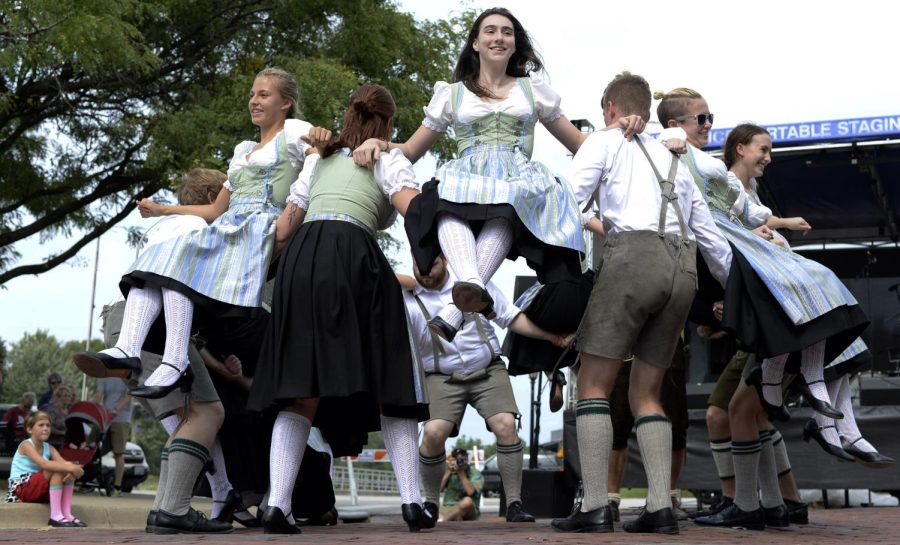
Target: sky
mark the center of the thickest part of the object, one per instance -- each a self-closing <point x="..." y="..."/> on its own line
<point x="765" y="61"/>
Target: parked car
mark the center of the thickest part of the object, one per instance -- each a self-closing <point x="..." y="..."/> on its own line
<point x="136" y="468"/>
<point x="547" y="461"/>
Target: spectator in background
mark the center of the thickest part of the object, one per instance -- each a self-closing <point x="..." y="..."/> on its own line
<point x="54" y="379"/>
<point x="58" y="408"/>
<point x="462" y="486"/>
<point x="113" y="394"/>
<point x="15" y="419"/>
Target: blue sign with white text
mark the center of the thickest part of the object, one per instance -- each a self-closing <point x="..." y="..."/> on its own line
<point x="817" y="131"/>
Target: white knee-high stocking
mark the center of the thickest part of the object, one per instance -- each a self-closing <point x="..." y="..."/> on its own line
<point x="179" y="315"/>
<point x="772" y="375"/>
<point x="289" y="437"/>
<point x="401" y="438"/>
<point x="812" y="359"/>
<point x="839" y="390"/>
<point x="492" y="247"/>
<point x="141" y="309"/>
<point x="458" y="245"/>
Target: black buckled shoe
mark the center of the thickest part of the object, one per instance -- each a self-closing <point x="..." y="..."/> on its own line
<point x="192" y="522"/>
<point x="183" y="382"/>
<point x="777" y="517"/>
<point x="432" y="510"/>
<point x="557" y="381"/>
<point x="734" y="517"/>
<point x="875" y="459"/>
<point x="812" y="430"/>
<point x="516" y="513"/>
<point x="151" y="522"/>
<point x="776" y="413"/>
<point x="416" y="517"/>
<point x="598" y="520"/>
<point x="797" y="511"/>
<point x="274" y="521"/>
<point x="328" y="518"/>
<point x="232" y="502"/>
<point x="470" y="297"/>
<point x="820" y="406"/>
<point x="61" y="523"/>
<point x="442" y="329"/>
<point x="657" y="522"/>
<point x="100" y="365"/>
<point x="721" y="503"/>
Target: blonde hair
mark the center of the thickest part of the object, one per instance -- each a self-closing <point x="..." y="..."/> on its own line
<point x="60" y="390"/>
<point x="36" y="417"/>
<point x="200" y="186"/>
<point x="287" y="87"/>
<point x="674" y="103"/>
<point x="630" y="93"/>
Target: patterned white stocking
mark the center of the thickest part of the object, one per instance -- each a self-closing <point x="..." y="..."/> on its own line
<point x="141" y="309"/>
<point x="179" y="315"/>
<point x="401" y="437"/>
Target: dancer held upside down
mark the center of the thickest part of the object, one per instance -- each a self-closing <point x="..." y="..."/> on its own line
<point x="219" y="270"/>
<point x="338" y="353"/>
<point x="493" y="201"/>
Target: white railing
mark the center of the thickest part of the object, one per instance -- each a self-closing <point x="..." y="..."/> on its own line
<point x="368" y="481"/>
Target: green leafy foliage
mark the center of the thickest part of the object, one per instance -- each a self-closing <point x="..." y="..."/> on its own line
<point x="104" y="101"/>
<point x="37" y="355"/>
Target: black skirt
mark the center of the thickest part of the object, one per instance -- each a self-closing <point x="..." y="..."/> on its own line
<point x="551" y="263"/>
<point x="756" y="318"/>
<point x="557" y="308"/>
<point x="338" y="333"/>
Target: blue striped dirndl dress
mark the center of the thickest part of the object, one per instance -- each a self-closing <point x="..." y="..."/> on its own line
<point x="228" y="261"/>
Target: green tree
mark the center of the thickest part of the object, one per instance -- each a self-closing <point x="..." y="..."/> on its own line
<point x="105" y="101"/>
<point x="470" y="443"/>
<point x="37" y="355"/>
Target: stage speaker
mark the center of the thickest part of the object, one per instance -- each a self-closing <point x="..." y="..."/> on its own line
<point x="545" y="494"/>
<point x="879" y="390"/>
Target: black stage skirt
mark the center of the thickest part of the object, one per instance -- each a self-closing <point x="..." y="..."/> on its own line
<point x="557" y="308"/>
<point x="551" y="263"/>
<point x="338" y="333"/>
<point x="756" y="318"/>
<point x="209" y="314"/>
<point x="857" y="363"/>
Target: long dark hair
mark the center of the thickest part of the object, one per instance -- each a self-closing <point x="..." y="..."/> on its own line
<point x="370" y="115"/>
<point x="523" y="61"/>
<point x="742" y="134"/>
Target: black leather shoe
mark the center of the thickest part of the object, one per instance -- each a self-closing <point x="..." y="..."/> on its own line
<point x="812" y="430"/>
<point x="875" y="460"/>
<point x="183" y="383"/>
<point x="233" y="502"/>
<point x="798" y="511"/>
<point x="99" y="365"/>
<point x="328" y="518"/>
<point x="820" y="406"/>
<point x="557" y="381"/>
<point x="416" y="517"/>
<point x="598" y="520"/>
<point x="247" y="520"/>
<point x="432" y="510"/>
<point x="777" y="517"/>
<point x="275" y="522"/>
<point x="516" y="513"/>
<point x="192" y="522"/>
<point x="721" y="503"/>
<point x="614" y="509"/>
<point x="442" y="329"/>
<point x="734" y="517"/>
<point x="657" y="522"/>
<point x="151" y="522"/>
<point x="470" y="297"/>
<point x="61" y="523"/>
<point x="776" y="413"/>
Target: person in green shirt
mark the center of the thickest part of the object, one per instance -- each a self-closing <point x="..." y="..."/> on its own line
<point x="462" y="486"/>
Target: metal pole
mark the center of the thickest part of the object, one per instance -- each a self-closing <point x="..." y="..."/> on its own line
<point x="87" y="341"/>
<point x="354" y="495"/>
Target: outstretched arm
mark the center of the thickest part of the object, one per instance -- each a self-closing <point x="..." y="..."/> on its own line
<point x="413" y="149"/>
<point x="208" y="212"/>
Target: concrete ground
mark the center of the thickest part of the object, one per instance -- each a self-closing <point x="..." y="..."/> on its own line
<point x="121" y="520"/>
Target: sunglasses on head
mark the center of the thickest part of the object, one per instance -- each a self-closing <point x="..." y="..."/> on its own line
<point x="701" y="118"/>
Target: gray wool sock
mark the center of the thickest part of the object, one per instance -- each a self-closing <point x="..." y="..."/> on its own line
<point x="746" y="465"/>
<point x="595" y="436"/>
<point x="782" y="462"/>
<point x="163" y="474"/>
<point x="768" y="474"/>
<point x="721" y="453"/>
<point x="654" y="434"/>
<point x="509" y="461"/>
<point x="431" y="471"/>
<point x="186" y="459"/>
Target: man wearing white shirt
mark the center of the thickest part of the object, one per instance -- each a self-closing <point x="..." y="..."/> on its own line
<point x="642" y="294"/>
<point x="468" y="371"/>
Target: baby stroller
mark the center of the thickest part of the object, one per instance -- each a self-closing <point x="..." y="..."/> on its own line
<point x="86" y="425"/>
